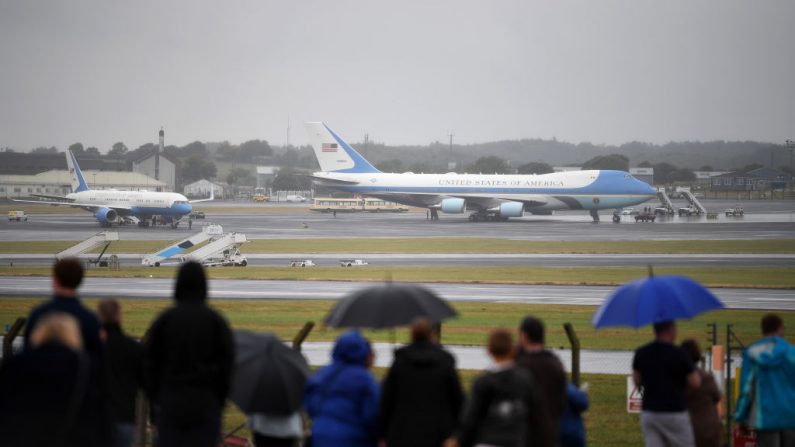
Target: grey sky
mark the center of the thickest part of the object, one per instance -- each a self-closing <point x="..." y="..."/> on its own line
<point x="406" y="72"/>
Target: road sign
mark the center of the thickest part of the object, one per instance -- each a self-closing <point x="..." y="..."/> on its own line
<point x="634" y="396"/>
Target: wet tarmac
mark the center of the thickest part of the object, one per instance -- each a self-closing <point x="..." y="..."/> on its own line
<point x="763" y="220"/>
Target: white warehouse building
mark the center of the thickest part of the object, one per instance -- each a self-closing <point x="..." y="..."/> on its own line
<point x="201" y="189"/>
<point x="58" y="183"/>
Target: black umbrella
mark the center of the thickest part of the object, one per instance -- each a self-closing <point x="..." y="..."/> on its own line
<point x="388" y="306"/>
<point x="269" y="377"/>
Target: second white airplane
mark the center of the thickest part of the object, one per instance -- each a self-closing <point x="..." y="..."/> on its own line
<point x="490" y="197"/>
<point x="117" y="206"/>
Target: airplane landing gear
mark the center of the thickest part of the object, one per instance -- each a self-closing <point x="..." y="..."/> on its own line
<point x="595" y="215"/>
<point x="481" y="216"/>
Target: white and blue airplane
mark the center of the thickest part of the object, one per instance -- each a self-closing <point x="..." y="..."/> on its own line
<point x="490" y="197"/>
<point x="113" y="206"/>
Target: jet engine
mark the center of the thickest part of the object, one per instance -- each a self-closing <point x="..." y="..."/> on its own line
<point x="510" y="209"/>
<point x="453" y="206"/>
<point x="106" y="216"/>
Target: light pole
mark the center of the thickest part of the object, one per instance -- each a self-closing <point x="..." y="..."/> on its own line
<point x="451" y="149"/>
<point x="791" y="146"/>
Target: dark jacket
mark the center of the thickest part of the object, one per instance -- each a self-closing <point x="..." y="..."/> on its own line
<point x="37" y="389"/>
<point x="702" y="406"/>
<point x="124" y="369"/>
<point x="572" y="430"/>
<point x="498" y="409"/>
<point x="550" y="376"/>
<point x="188" y="357"/>
<point x="422" y="397"/>
<point x="89" y="325"/>
<point x="342" y="398"/>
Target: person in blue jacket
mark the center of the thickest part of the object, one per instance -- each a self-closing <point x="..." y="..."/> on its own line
<point x="767" y="387"/>
<point x="342" y="398"/>
<point x="572" y="430"/>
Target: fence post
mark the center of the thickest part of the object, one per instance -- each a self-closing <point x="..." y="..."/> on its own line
<point x="8" y="340"/>
<point x="299" y="338"/>
<point x="575" y="353"/>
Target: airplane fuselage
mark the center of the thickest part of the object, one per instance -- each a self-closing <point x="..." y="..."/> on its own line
<point x="585" y="190"/>
<point x="138" y="203"/>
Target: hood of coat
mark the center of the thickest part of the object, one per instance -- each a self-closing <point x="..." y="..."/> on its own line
<point x="191" y="284"/>
<point x="351" y="348"/>
<point x="769" y="351"/>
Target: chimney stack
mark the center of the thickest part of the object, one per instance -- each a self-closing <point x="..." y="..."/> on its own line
<point x="157" y="156"/>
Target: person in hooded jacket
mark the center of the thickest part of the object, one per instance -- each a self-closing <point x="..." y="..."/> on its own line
<point x="342" y="398"/>
<point x="767" y="387"/>
<point x="188" y="358"/>
<point x="422" y="397"/>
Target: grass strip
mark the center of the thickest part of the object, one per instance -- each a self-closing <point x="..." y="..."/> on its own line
<point x="746" y="277"/>
<point x="443" y="245"/>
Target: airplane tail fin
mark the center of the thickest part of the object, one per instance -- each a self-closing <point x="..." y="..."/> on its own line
<point x="333" y="153"/>
<point x="78" y="182"/>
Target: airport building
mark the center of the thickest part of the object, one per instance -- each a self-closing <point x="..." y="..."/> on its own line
<point x="759" y="179"/>
<point x="146" y="165"/>
<point x="643" y="174"/>
<point x="265" y="176"/>
<point x="201" y="189"/>
<point x="58" y="183"/>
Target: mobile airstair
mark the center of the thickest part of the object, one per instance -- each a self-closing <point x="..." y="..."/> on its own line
<point x="694" y="202"/>
<point x="105" y="237"/>
<point x="208" y="232"/>
<point x="224" y="250"/>
<point x="665" y="201"/>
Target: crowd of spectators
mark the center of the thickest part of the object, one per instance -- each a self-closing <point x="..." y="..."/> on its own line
<point x="80" y="379"/>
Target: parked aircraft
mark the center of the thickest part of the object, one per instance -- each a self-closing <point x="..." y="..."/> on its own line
<point x="118" y="206"/>
<point x="489" y="197"/>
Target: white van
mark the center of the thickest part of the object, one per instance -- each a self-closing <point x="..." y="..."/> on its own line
<point x="295" y="198"/>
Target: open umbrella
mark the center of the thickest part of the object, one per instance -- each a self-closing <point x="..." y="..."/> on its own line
<point x="653" y="300"/>
<point x="388" y="306"/>
<point x="269" y="377"/>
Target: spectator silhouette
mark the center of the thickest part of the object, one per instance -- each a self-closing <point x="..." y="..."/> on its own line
<point x="572" y="429"/>
<point x="497" y="413"/>
<point x="664" y="370"/>
<point x="188" y="358"/>
<point x="767" y="387"/>
<point x="422" y="396"/>
<point x="67" y="274"/>
<point x="124" y="372"/>
<point x="44" y="389"/>
<point x="702" y="402"/>
<point x="342" y="398"/>
<point x="550" y="377"/>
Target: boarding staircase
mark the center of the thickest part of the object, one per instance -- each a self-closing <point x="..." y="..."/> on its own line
<point x="665" y="201"/>
<point x="105" y="237"/>
<point x="224" y="250"/>
<point x="694" y="202"/>
<point x="208" y="232"/>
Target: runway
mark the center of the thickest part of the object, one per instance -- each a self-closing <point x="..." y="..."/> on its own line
<point x="772" y="299"/>
<point x="475" y="260"/>
<point x="770" y="220"/>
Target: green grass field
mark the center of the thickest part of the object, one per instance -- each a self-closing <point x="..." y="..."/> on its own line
<point x="441" y="245"/>
<point x="607" y="421"/>
<point x="751" y="277"/>
<point x="475" y="320"/>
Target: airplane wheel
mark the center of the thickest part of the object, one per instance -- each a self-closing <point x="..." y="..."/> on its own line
<point x="616" y="219"/>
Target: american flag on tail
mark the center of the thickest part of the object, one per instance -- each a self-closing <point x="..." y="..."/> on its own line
<point x="329" y="147"/>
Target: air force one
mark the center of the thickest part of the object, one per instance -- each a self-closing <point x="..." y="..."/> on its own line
<point x="490" y="197"/>
<point x="116" y="206"/>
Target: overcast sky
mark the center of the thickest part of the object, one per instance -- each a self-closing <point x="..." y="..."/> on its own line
<point x="405" y="72"/>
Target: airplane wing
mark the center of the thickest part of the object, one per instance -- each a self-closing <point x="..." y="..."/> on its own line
<point x="212" y="196"/>
<point x="61" y="198"/>
<point x="123" y="209"/>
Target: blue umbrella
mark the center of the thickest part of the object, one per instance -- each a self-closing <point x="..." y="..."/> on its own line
<point x="653" y="300"/>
